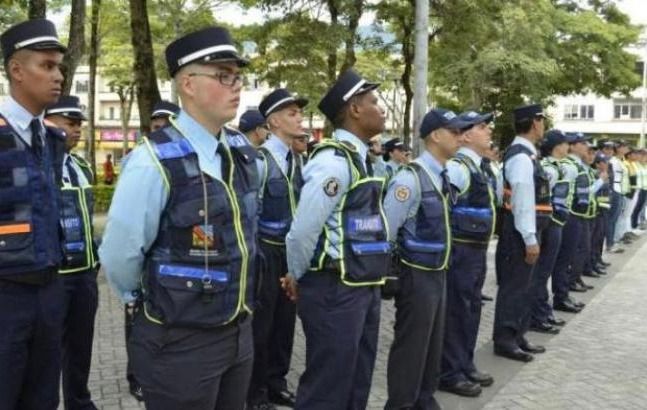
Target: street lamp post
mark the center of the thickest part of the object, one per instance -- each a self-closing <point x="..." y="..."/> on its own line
<point x="643" y="114"/>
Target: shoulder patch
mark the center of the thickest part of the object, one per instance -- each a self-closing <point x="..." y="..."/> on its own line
<point x="402" y="193"/>
<point x="331" y="186"/>
<point x="2" y="122"/>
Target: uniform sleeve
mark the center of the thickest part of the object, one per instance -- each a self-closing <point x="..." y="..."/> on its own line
<point x="458" y="175"/>
<point x="133" y="222"/>
<point x="401" y="201"/>
<point x="570" y="171"/>
<point x="519" y="172"/>
<point x="595" y="187"/>
<point x="552" y="175"/>
<point x="326" y="179"/>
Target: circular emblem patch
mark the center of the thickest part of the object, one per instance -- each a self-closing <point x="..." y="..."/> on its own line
<point x="331" y="186"/>
<point x="402" y="193"/>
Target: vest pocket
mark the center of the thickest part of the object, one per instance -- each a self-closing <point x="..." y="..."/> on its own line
<point x="370" y="261"/>
<point x="16" y="244"/>
<point x="191" y="296"/>
<point x="472" y="220"/>
<point x="429" y="254"/>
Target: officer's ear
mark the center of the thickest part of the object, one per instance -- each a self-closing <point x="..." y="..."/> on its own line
<point x="183" y="81"/>
<point x="355" y="106"/>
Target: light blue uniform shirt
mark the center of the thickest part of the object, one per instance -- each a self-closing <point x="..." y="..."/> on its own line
<point x="571" y="170"/>
<point x="317" y="208"/>
<point x="19" y="118"/>
<point x="519" y="172"/>
<point x="67" y="159"/>
<point x="279" y="151"/>
<point x="402" y="198"/>
<point x="458" y="174"/>
<point x="379" y="166"/>
<point x="137" y="206"/>
<point x="551" y="173"/>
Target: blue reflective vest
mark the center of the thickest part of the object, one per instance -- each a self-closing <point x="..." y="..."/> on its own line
<point x="77" y="209"/>
<point x="30" y="231"/>
<point x="361" y="225"/>
<point x="561" y="194"/>
<point x="473" y="215"/>
<point x="280" y="198"/>
<point x="424" y="242"/>
<point x="582" y="205"/>
<point x="199" y="270"/>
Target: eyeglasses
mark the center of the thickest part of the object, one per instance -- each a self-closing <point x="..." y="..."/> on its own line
<point x="226" y="79"/>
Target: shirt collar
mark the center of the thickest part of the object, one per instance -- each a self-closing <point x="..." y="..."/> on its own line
<point x="277" y="146"/>
<point x="525" y="142"/>
<point x="343" y="135"/>
<point x="201" y="139"/>
<point x="431" y="163"/>
<point x="576" y="159"/>
<point x="18" y="115"/>
<point x="471" y="154"/>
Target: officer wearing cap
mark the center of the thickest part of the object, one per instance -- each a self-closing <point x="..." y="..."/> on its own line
<point x="601" y="165"/>
<point x="416" y="206"/>
<point x="619" y="185"/>
<point x="162" y="112"/>
<point x="189" y="251"/>
<point x="252" y="124"/>
<point x="472" y="225"/>
<point x="338" y="252"/>
<point x="592" y="268"/>
<point x="281" y="181"/>
<point x="395" y="155"/>
<point x="525" y="214"/>
<point x="31" y="296"/>
<point x="79" y="268"/>
<point x="553" y="149"/>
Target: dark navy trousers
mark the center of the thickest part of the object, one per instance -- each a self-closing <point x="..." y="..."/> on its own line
<point x="550" y="245"/>
<point x="31" y="321"/>
<point x="582" y="255"/>
<point x="80" y="302"/>
<point x="465" y="279"/>
<point x="273" y="325"/>
<point x="341" y="325"/>
<point x="564" y="263"/>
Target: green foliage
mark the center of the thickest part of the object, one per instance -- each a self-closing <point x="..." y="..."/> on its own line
<point x="102" y="197"/>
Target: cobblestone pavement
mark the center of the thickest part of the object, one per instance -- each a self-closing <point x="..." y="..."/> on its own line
<point x="597" y="374"/>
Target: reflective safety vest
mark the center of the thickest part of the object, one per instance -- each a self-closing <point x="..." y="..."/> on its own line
<point x="30" y="246"/>
<point x="625" y="184"/>
<point x="280" y="198"/>
<point x="364" y="250"/>
<point x="424" y="242"/>
<point x="593" y="209"/>
<point x="543" y="207"/>
<point x="602" y="198"/>
<point x="561" y="194"/>
<point x="77" y="207"/>
<point x="633" y="176"/>
<point x="583" y="198"/>
<point x="473" y="215"/>
<point x="199" y="270"/>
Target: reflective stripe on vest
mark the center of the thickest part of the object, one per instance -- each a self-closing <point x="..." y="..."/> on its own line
<point x="199" y="270"/>
<point x="364" y="250"/>
<point x="543" y="207"/>
<point x="424" y="241"/>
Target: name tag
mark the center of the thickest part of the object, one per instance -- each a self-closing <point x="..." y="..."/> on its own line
<point x="368" y="224"/>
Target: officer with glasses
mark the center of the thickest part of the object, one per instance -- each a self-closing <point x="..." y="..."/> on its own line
<point x="181" y="235"/>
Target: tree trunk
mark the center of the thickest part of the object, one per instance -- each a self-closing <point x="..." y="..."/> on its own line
<point x="420" y="62"/>
<point x="353" y="23"/>
<point x="332" y="55"/>
<point x="94" y="51"/>
<point x="75" y="45"/>
<point x="147" y="91"/>
<point x="37" y="9"/>
<point x="407" y="57"/>
<point x="126" y="94"/>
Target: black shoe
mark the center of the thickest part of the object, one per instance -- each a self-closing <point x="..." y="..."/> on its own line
<point x="576" y="287"/>
<point x="576" y="303"/>
<point x="604" y="264"/>
<point x="282" y="397"/>
<point x="264" y="405"/>
<point x="484" y="379"/>
<point x="566" y="306"/>
<point x="544" y="327"/>
<point x="584" y="285"/>
<point x="486" y="298"/>
<point x="599" y="269"/>
<point x="136" y="391"/>
<point x="514" y="354"/>
<point x="463" y="388"/>
<point x="526" y="346"/>
<point x="555" y="321"/>
<point x="591" y="274"/>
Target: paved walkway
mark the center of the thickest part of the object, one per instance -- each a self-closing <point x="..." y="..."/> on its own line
<point x="598" y="361"/>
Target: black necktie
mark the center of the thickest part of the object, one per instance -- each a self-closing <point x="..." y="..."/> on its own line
<point x="448" y="190"/>
<point x="36" y="137"/>
<point x="225" y="165"/>
<point x="369" y="166"/>
<point x="71" y="172"/>
<point x="289" y="158"/>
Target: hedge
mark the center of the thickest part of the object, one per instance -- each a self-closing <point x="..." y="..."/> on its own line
<point x="102" y="197"/>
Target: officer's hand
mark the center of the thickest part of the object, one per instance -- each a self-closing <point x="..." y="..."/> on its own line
<point x="604" y="176"/>
<point x="532" y="253"/>
<point x="290" y="286"/>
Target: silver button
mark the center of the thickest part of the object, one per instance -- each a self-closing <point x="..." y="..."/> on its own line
<point x="3" y="243"/>
<point x="189" y="284"/>
<point x="201" y="212"/>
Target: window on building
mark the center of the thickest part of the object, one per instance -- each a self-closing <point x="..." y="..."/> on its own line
<point x="639" y="68"/>
<point x="81" y="86"/>
<point x="627" y="110"/>
<point x="579" y="112"/>
<point x="111" y="113"/>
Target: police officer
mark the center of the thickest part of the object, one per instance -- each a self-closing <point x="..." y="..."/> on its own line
<point x="193" y="235"/>
<point x="375" y="154"/>
<point x="472" y="225"/>
<point x="252" y="124"/>
<point x="31" y="298"/>
<point x="281" y="182"/>
<point x="526" y="213"/>
<point x="553" y="149"/>
<point x="338" y="280"/>
<point x="395" y="155"/>
<point x="79" y="268"/>
<point x="600" y="163"/>
<point x="417" y="207"/>
<point x="162" y="112"/>
<point x="619" y="186"/>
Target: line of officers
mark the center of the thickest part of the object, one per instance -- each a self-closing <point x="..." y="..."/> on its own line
<point x="216" y="245"/>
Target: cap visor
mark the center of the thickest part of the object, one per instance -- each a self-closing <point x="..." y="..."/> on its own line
<point x="47" y="45"/>
<point x="366" y="88"/>
<point x="224" y="57"/>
